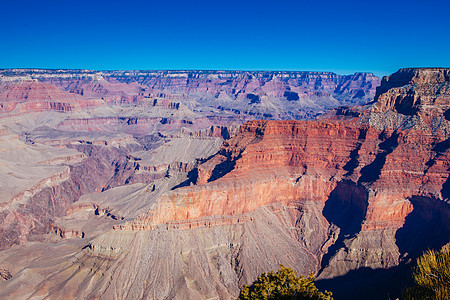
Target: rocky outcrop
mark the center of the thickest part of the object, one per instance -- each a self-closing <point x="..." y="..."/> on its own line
<point x="231" y="95"/>
<point x="260" y="95"/>
<point x="68" y="233"/>
<point x="412" y="98"/>
<point x="305" y="160"/>
<point x="268" y="157"/>
<point x="19" y="97"/>
<point x="155" y="121"/>
<point x="413" y="76"/>
<point x="4" y="274"/>
<point x="355" y="196"/>
<point x="225" y="132"/>
<point x="371" y="183"/>
<point x="32" y="212"/>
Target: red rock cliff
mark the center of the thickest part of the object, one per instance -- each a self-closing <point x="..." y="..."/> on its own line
<point x="367" y="179"/>
<point x="17" y="97"/>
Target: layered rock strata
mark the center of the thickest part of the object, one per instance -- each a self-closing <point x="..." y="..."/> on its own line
<point x="226" y="95"/>
<point x="372" y="178"/>
<point x="351" y="197"/>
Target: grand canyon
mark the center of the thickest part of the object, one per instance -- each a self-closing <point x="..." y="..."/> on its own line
<point x="189" y="184"/>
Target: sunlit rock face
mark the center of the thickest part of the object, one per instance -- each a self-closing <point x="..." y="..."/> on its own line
<point x="102" y="119"/>
<point x="373" y="182"/>
<point x="186" y="204"/>
<point x="218" y="95"/>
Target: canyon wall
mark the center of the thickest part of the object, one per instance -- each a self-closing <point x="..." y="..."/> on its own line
<point x="374" y="178"/>
<point x="238" y="95"/>
<point x="108" y="115"/>
<point x="196" y="211"/>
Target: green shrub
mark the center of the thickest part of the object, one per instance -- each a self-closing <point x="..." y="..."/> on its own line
<point x="431" y="277"/>
<point x="283" y="284"/>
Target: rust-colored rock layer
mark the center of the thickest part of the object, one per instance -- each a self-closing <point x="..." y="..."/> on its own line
<point x="374" y="177"/>
<point x="352" y="197"/>
<point x="286" y="161"/>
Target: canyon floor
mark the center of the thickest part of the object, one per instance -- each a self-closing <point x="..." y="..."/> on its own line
<point x="189" y="184"/>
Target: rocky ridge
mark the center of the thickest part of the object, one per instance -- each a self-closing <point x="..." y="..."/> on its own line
<point x="238" y="95"/>
<point x="381" y="177"/>
<point x="104" y="117"/>
<point x="351" y="197"/>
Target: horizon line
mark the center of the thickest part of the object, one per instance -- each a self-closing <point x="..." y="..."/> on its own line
<point x="193" y="69"/>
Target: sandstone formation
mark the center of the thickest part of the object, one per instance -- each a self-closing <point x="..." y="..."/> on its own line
<point x="372" y="178"/>
<point x="226" y="95"/>
<point x="25" y="96"/>
<point x="181" y="205"/>
<point x="110" y="120"/>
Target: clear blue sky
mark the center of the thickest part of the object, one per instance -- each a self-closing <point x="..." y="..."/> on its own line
<point x="341" y="36"/>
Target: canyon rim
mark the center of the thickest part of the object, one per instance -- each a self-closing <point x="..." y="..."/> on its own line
<point x="189" y="184"/>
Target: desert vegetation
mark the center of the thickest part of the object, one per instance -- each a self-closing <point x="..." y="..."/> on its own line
<point x="283" y="284"/>
<point x="431" y="276"/>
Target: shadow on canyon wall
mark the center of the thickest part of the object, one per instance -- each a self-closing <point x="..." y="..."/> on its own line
<point x="371" y="172"/>
<point x="426" y="227"/>
<point x="346" y="207"/>
<point x="366" y="283"/>
<point x="224" y="167"/>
